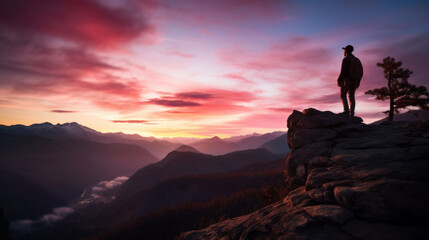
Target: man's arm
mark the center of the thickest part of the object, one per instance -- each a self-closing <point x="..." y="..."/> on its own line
<point x="344" y="71"/>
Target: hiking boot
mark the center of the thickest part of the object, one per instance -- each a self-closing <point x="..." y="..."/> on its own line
<point x="344" y="113"/>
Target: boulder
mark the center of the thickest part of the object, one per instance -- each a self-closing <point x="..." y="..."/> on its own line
<point x="302" y="156"/>
<point x="320" y="162"/>
<point x="302" y="137"/>
<point x="330" y="213"/>
<point x="316" y="194"/>
<point x="386" y="200"/>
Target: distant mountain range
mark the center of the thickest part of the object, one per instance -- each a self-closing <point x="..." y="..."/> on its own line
<point x="217" y="146"/>
<point x="257" y="141"/>
<point x="157" y="147"/>
<point x="53" y="164"/>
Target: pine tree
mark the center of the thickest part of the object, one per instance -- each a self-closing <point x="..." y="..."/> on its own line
<point x="399" y="91"/>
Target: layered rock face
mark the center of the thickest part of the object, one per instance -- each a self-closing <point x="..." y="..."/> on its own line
<point x="353" y="181"/>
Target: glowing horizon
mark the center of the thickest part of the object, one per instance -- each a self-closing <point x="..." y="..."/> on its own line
<point x="196" y="69"/>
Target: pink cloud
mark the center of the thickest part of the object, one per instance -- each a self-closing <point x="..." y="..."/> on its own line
<point x="306" y="58"/>
<point x="262" y="120"/>
<point x="120" y="105"/>
<point x="237" y="76"/>
<point x="324" y="99"/>
<point x="54" y="49"/>
<point x="85" y="22"/>
<point x="205" y="31"/>
<point x="112" y="86"/>
<point x="180" y="54"/>
<point x="205" y="13"/>
<point x="205" y="103"/>
<point x="33" y="68"/>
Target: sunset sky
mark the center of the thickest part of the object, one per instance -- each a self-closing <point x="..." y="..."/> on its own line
<point x="197" y="68"/>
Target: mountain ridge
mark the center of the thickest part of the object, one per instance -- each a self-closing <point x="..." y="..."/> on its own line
<point x="188" y="163"/>
<point x="215" y="146"/>
<point x="159" y="148"/>
<point x="186" y="148"/>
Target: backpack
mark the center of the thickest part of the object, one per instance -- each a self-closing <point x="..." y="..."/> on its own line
<point x="355" y="70"/>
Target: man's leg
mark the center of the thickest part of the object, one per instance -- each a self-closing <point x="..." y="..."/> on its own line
<point x="344" y="98"/>
<point x="352" y="91"/>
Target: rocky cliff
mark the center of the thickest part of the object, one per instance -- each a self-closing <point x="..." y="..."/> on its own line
<point x="349" y="181"/>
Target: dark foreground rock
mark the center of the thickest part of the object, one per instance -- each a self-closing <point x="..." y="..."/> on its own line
<point x="352" y="181"/>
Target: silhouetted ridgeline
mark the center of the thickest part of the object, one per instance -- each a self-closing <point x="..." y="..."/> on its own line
<point x="190" y="189"/>
<point x="350" y="180"/>
<point x="52" y="172"/>
<point x="177" y="164"/>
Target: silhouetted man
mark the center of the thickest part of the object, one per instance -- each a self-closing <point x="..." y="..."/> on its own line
<point x="349" y="79"/>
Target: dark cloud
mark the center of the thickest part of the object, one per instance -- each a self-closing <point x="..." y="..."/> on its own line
<point x="173" y="103"/>
<point x="194" y="95"/>
<point x="62" y="111"/>
<point x="285" y="109"/>
<point x="133" y="121"/>
<point x="181" y="112"/>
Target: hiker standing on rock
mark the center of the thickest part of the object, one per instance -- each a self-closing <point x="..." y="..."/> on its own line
<point x="349" y="79"/>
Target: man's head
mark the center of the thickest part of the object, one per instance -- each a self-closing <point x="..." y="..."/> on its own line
<point x="348" y="50"/>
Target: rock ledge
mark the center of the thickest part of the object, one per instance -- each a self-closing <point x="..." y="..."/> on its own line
<point x="353" y="181"/>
